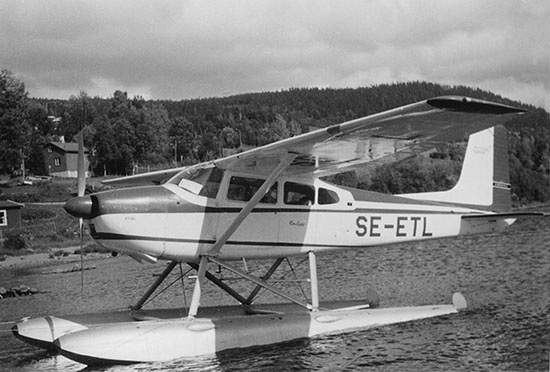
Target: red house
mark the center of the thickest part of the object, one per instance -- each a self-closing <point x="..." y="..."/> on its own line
<point x="10" y="216"/>
<point x="61" y="159"/>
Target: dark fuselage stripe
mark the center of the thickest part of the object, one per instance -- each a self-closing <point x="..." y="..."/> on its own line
<point x="212" y="210"/>
<point x="111" y="236"/>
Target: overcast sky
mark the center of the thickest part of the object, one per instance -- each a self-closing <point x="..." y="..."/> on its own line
<point x="180" y="49"/>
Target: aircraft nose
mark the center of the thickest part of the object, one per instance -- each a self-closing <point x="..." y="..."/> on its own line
<point x="80" y="207"/>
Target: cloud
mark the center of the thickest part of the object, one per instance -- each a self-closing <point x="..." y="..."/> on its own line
<point x="183" y="49"/>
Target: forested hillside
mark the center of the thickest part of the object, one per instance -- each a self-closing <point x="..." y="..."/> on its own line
<point x="125" y="134"/>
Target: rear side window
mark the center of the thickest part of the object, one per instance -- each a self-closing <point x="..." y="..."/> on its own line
<point x="299" y="194"/>
<point x="327" y="197"/>
<point x="244" y="188"/>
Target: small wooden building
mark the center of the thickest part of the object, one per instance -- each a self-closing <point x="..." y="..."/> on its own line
<point x="61" y="159"/>
<point x="10" y="216"/>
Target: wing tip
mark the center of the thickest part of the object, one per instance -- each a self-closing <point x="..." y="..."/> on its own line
<point x="473" y="105"/>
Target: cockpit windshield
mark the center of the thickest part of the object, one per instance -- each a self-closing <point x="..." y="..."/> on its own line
<point x="202" y="181"/>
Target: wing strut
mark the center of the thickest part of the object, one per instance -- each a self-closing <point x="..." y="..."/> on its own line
<point x="260" y="193"/>
<point x="284" y="163"/>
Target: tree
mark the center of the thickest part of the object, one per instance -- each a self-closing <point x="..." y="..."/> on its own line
<point x="151" y="133"/>
<point x="184" y="136"/>
<point x="14" y="129"/>
<point x="81" y="113"/>
<point x="41" y="129"/>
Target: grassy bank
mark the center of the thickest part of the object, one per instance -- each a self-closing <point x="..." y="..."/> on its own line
<point x="45" y="226"/>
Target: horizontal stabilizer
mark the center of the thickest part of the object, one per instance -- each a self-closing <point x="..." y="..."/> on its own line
<point x="492" y="216"/>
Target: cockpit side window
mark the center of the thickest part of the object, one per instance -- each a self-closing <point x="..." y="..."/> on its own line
<point x="200" y="181"/>
<point x="212" y="184"/>
<point x="244" y="188"/>
<point x="327" y="196"/>
<point x="299" y="194"/>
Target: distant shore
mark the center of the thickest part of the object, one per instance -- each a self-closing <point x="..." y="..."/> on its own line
<point x="44" y="259"/>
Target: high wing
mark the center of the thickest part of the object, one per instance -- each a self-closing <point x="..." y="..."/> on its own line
<point x="385" y="137"/>
<point x="380" y="138"/>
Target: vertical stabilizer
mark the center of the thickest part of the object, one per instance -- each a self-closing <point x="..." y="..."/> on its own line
<point x="484" y="182"/>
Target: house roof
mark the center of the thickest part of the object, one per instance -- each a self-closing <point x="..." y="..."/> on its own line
<point x="8" y="204"/>
<point x="67" y="146"/>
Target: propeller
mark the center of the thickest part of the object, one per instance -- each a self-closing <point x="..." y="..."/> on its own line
<point x="81" y="187"/>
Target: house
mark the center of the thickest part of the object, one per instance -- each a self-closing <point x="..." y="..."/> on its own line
<point x="61" y="159"/>
<point x="10" y="216"/>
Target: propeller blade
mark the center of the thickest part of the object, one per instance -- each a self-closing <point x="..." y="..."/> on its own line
<point x="81" y="186"/>
<point x="81" y="170"/>
<point x="81" y="220"/>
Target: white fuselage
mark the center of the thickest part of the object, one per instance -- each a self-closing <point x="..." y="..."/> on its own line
<point x="278" y="229"/>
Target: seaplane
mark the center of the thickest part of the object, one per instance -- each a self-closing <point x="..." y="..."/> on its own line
<point x="271" y="203"/>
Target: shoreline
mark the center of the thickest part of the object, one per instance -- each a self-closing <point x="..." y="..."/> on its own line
<point x="44" y="259"/>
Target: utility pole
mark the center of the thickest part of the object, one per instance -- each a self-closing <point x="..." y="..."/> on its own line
<point x="22" y="164"/>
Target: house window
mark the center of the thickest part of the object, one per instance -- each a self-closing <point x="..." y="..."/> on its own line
<point x="3" y="218"/>
<point x="57" y="162"/>
<point x="49" y="150"/>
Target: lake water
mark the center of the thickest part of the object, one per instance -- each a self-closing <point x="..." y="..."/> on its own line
<point x="504" y="277"/>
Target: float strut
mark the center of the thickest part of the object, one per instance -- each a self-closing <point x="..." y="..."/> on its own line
<point x="220" y="284"/>
<point x="155" y="285"/>
<point x="266" y="277"/>
<point x="195" y="300"/>
<point x="259" y="282"/>
<point x="313" y="281"/>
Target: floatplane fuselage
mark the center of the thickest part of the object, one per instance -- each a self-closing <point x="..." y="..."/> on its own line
<point x="270" y="202"/>
<point x="172" y="223"/>
<point x="183" y="218"/>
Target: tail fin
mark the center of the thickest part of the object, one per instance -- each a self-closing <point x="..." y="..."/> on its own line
<point x="484" y="182"/>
